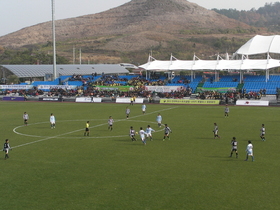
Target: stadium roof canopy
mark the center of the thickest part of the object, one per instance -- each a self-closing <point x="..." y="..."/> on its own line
<point x="260" y="44"/>
<point x="219" y="64"/>
<point x="24" y="71"/>
<point x="256" y="45"/>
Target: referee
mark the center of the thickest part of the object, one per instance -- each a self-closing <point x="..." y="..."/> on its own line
<point x="86" y="133"/>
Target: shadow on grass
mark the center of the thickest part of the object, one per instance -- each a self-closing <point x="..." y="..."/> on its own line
<point x="225" y="158"/>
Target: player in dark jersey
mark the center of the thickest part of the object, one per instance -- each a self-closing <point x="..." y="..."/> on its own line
<point x="25" y="118"/>
<point x="234" y="147"/>
<point x="216" y="131"/>
<point x="110" y="123"/>
<point x="262" y="132"/>
<point x="167" y="131"/>
<point x="132" y="134"/>
<point x="6" y="148"/>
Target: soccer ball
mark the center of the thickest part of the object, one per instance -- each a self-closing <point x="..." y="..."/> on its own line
<point x="136" y="132"/>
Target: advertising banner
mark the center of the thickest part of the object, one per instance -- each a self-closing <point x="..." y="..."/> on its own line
<point x="252" y="103"/>
<point x="164" y="89"/>
<point x="188" y="101"/>
<point x="220" y="90"/>
<point x="65" y="87"/>
<point x="15" y="87"/>
<point x="8" y="98"/>
<point x="51" y="99"/>
<point x="127" y="100"/>
<point x="120" y="88"/>
<point x="88" y="100"/>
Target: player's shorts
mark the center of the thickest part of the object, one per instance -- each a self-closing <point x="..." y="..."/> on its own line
<point x="215" y="132"/>
<point x="159" y="122"/>
<point x="250" y="153"/>
<point x="143" y="110"/>
<point x="52" y="122"/>
<point x="149" y="135"/>
<point x="87" y="129"/>
<point x="166" y="133"/>
<point x="234" y="149"/>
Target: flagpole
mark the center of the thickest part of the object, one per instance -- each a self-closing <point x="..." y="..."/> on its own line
<point x="53" y="37"/>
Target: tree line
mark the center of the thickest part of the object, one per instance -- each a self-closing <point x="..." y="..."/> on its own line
<point x="266" y="16"/>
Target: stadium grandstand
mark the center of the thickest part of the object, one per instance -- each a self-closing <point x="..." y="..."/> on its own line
<point x="221" y="79"/>
<point x="45" y="72"/>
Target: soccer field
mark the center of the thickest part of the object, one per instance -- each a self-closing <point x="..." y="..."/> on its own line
<point x="63" y="169"/>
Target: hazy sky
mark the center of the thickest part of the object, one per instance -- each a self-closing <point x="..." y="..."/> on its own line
<point x="18" y="14"/>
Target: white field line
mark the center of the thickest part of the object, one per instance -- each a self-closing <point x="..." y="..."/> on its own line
<point x="59" y="136"/>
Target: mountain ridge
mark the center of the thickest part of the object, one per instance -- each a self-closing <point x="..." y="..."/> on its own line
<point x="133" y="17"/>
<point x="132" y="28"/>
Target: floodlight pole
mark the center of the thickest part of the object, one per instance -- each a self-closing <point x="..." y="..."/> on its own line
<point x="53" y="37"/>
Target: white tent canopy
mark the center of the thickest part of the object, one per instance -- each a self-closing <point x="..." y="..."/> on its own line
<point x="256" y="45"/>
<point x="244" y="64"/>
<point x="260" y="44"/>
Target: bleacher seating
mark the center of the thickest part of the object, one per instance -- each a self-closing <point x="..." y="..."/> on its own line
<point x="227" y="78"/>
<point x="77" y="83"/>
<point x="220" y="84"/>
<point x="253" y="83"/>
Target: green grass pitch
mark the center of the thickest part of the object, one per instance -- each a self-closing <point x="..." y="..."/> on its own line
<point x="61" y="169"/>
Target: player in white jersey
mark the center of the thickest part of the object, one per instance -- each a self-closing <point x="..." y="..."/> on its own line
<point x="262" y="132"/>
<point x="6" y="148"/>
<point x="159" y="120"/>
<point x="142" y="134"/>
<point x="52" y="121"/>
<point x="149" y="131"/>
<point x="127" y="112"/>
<point x="249" y="151"/>
<point x="226" y="111"/>
<point x="234" y="147"/>
<point x="110" y="123"/>
<point x="132" y="134"/>
<point x="25" y="118"/>
<point x="144" y="108"/>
